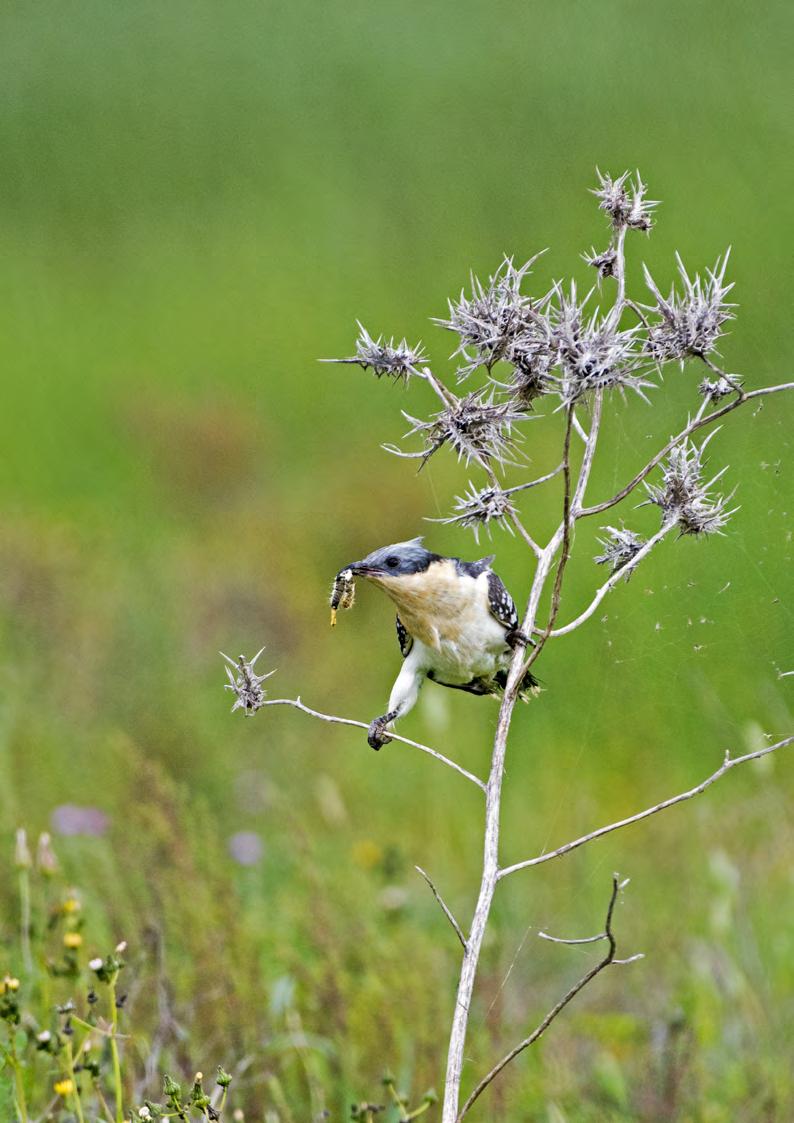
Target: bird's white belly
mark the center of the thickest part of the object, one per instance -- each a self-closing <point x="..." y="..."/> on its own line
<point x="460" y="661"/>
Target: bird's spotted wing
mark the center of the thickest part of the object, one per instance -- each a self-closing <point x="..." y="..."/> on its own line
<point x="405" y="641"/>
<point x="501" y="603"/>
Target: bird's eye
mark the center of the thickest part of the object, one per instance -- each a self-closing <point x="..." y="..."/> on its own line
<point x="392" y="561"/>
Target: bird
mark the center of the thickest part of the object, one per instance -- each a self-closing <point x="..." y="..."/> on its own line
<point x="457" y="624"/>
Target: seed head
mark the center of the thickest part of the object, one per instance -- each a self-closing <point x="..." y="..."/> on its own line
<point x="623" y="199"/>
<point x="476" y="428"/>
<point x="397" y="360"/>
<point x="245" y="683"/>
<point x="490" y="320"/>
<point x="691" y="321"/>
<point x="591" y="352"/>
<point x="604" y="262"/>
<point x="720" y="388"/>
<point x="684" y="497"/>
<point x="479" y="508"/>
<point x="620" y="547"/>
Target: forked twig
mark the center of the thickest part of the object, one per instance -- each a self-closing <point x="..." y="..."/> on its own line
<point x="728" y="763"/>
<point x="608" y="959"/>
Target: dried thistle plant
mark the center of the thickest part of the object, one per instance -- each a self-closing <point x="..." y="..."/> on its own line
<point x="685" y="498"/>
<point x="620" y="548"/>
<point x="481" y="506"/>
<point x="691" y="322"/>
<point x="536" y="356"/>
<point x="245" y="683"/>
<point x="477" y="428"/>
<point x="397" y="360"/>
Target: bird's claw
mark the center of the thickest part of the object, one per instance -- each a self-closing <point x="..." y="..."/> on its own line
<point x="377" y="736"/>
<point x="517" y="638"/>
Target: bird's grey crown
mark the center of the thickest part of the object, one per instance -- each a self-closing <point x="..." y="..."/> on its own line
<point x="399" y="559"/>
<point x="402" y="559"/>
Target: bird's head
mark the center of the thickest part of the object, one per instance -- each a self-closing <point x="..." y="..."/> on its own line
<point x="402" y="559"/>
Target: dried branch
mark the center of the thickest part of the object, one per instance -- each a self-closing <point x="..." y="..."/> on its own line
<point x="608" y="959"/>
<point x="692" y="427"/>
<point x="297" y="704"/>
<point x="444" y="907"/>
<point x="617" y="576"/>
<point x="728" y="763"/>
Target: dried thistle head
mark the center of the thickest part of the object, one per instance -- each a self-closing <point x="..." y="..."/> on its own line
<point x="397" y="360"/>
<point x="475" y="427"/>
<point x="245" y="683"/>
<point x="592" y="352"/>
<point x="624" y="200"/>
<point x="684" y="497"/>
<point x="604" y="262"/>
<point x="717" y="389"/>
<point x="479" y="507"/>
<point x="620" y="547"/>
<point x="533" y="355"/>
<point x="693" y="320"/>
<point x="489" y="321"/>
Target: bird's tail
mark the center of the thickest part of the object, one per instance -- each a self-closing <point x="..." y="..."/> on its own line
<point x="529" y="688"/>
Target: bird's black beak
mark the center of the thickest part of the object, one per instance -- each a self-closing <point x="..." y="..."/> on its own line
<point x="359" y="569"/>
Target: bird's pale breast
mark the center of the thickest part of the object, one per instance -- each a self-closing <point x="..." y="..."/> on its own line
<point x="448" y="612"/>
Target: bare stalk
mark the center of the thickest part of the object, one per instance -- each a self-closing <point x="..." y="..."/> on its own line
<point x="616" y="577"/>
<point x="444" y="907"/>
<point x="608" y="959"/>
<point x="297" y="704"/>
<point x="687" y="431"/>
<point x="728" y="763"/>
<point x="490" y="866"/>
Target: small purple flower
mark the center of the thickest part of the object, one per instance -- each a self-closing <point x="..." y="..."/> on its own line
<point x="246" y="848"/>
<point x="71" y="819"/>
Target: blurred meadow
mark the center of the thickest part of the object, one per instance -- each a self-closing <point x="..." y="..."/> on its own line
<point x="197" y="201"/>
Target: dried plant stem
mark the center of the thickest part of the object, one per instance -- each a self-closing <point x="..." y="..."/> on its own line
<point x="614" y="579"/>
<point x="490" y="866"/>
<point x="608" y="959"/>
<point x="687" y="431"/>
<point x="297" y="704"/>
<point x="728" y="763"/>
<point x="444" y="908"/>
<point x="490" y="871"/>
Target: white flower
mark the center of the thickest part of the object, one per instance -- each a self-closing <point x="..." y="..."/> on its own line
<point x="95" y="964"/>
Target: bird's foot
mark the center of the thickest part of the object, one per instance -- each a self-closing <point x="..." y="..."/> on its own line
<point x="377" y="736"/>
<point x="517" y="638"/>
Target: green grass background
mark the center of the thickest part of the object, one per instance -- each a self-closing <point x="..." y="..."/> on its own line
<point x="196" y="202"/>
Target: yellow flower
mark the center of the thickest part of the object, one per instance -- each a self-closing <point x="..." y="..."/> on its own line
<point x="9" y="983"/>
<point x="71" y="904"/>
<point x="367" y="853"/>
<point x="72" y="940"/>
<point x="64" y="1087"/>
